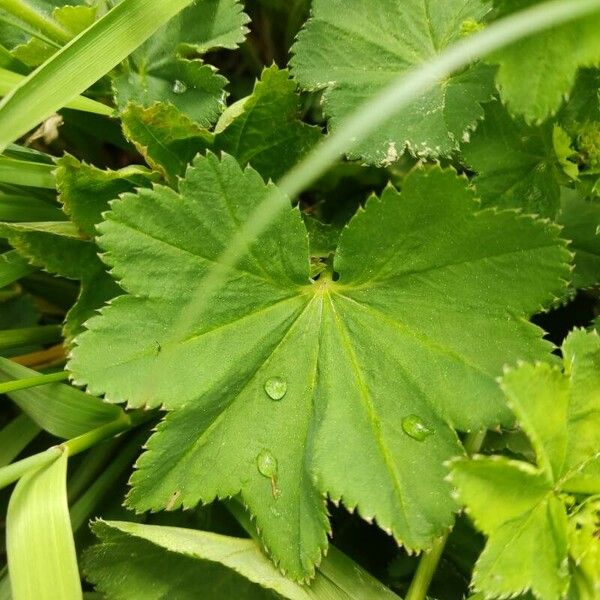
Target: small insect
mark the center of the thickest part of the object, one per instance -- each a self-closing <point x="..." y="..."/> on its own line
<point x="157" y="347"/>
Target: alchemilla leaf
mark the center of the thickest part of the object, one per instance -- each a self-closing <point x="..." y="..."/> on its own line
<point x="550" y="60"/>
<point x="285" y="389"/>
<point x="526" y="510"/>
<point x="353" y="48"/>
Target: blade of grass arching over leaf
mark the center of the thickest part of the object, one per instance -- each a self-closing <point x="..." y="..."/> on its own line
<point x="82" y="62"/>
<point x="9" y="81"/>
<point x="374" y="112"/>
<point x="41" y="552"/>
<point x="15" y="437"/>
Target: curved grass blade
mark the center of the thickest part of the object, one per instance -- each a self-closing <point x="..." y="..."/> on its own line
<point x="82" y="62"/>
<point x="12" y="267"/>
<point x="41" y="552"/>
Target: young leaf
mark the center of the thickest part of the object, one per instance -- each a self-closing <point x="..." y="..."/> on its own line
<point x="378" y="357"/>
<point x="161" y="69"/>
<point x="581" y="221"/>
<point x="192" y="562"/>
<point x="521" y="507"/>
<point x="353" y="48"/>
<point x="38" y="532"/>
<point x="550" y="59"/>
<point x="12" y="267"/>
<point x="516" y="164"/>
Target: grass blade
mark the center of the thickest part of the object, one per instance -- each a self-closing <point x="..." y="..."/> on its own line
<point x="20" y="172"/>
<point x="15" y="437"/>
<point x="58" y="408"/>
<point x="43" y="334"/>
<point x="82" y="62"/>
<point x="41" y="552"/>
<point x="9" y="81"/>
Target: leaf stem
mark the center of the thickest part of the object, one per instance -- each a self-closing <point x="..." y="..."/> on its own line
<point x="429" y="562"/>
<point x="29" y="382"/>
<point x="26" y="13"/>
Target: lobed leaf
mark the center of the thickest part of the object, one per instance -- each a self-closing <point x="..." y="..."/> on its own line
<point x="290" y="365"/>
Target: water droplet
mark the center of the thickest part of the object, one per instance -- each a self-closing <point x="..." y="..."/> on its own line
<point x="415" y="428"/>
<point x="179" y="87"/>
<point x="267" y="464"/>
<point x="276" y="388"/>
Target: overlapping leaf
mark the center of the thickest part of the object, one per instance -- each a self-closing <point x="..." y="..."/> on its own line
<point x="169" y="560"/>
<point x="262" y="129"/>
<point x="353" y="48"/>
<point x="275" y="372"/>
<point x="166" y="69"/>
<point x="550" y="61"/>
<point x="522" y="508"/>
<point x="517" y="165"/>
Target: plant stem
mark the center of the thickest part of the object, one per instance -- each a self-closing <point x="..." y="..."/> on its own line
<point x="15" y="471"/>
<point x="429" y="562"/>
<point x="29" y="382"/>
<point x="11" y="338"/>
<point x="26" y="13"/>
<point x="53" y="355"/>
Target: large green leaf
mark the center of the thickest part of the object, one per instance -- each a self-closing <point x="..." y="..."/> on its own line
<point x="522" y="508"/>
<point x="279" y="368"/>
<point x="162" y="69"/>
<point x="353" y="48"/>
<point x="187" y="564"/>
<point x="536" y="73"/>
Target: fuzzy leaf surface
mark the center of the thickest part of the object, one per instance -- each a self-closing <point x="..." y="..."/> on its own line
<point x="353" y="48"/>
<point x="382" y="345"/>
<point x="522" y="508"/>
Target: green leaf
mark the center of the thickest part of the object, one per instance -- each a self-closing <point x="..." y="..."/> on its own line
<point x="581" y="221"/>
<point x="330" y="342"/>
<point x="585" y="548"/>
<point x="165" y="137"/>
<point x="267" y="132"/>
<point x="188" y="562"/>
<point x="72" y="19"/>
<point x="522" y="508"/>
<point x="13" y="267"/>
<point x="60" y="409"/>
<point x="160" y="70"/>
<point x="536" y="73"/>
<point x="58" y="248"/>
<point x="38" y="532"/>
<point x="85" y="191"/>
<point x="81" y="63"/>
<point x="262" y="129"/>
<point x="354" y="48"/>
<point x="516" y="164"/>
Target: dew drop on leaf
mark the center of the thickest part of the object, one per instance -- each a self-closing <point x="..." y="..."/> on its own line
<point x="276" y="388"/>
<point x="267" y="464"/>
<point x="416" y="428"/>
<point x="179" y="87"/>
